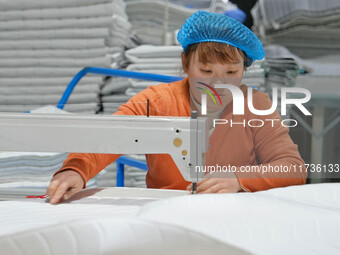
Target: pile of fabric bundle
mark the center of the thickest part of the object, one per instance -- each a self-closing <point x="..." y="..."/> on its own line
<point x="153" y="21"/>
<point x="30" y="172"/>
<point x="119" y="35"/>
<point x="156" y="22"/>
<point x="307" y="28"/>
<point x="282" y="70"/>
<point x="165" y="60"/>
<point x="254" y="76"/>
<point x="45" y="43"/>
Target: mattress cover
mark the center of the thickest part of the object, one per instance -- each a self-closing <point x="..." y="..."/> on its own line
<point x="294" y="220"/>
<point x="98" y="221"/>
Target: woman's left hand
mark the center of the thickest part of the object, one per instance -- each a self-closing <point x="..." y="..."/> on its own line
<point x="217" y="185"/>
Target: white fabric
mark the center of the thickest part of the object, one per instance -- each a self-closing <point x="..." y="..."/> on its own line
<point x="31" y="72"/>
<point x="95" y="22"/>
<point x="308" y="28"/>
<point x="70" y="107"/>
<point x="48" y="81"/>
<point x="46" y="43"/>
<point x="114" y="85"/>
<point x="97" y="10"/>
<point x="37" y="4"/>
<point x="147" y="19"/>
<point x="85" y="33"/>
<point x="75" y="228"/>
<point x="41" y="90"/>
<point x="52" y="44"/>
<point x="151" y="51"/>
<point x="55" y="62"/>
<point x="47" y="99"/>
<point x="293" y="220"/>
<point x="116" y="98"/>
<point x="55" y="53"/>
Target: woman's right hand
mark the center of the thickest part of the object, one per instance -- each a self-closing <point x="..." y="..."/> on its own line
<point x="64" y="185"/>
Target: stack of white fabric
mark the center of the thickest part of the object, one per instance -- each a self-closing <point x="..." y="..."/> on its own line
<point x="307" y="28"/>
<point x="282" y="70"/>
<point x="165" y="60"/>
<point x="45" y="43"/>
<point x="119" y="34"/>
<point x="31" y="172"/>
<point x="20" y="171"/>
<point x="254" y="76"/>
<point x="147" y="19"/>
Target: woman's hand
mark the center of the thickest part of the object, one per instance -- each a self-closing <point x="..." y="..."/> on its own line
<point x="64" y="185"/>
<point x="218" y="185"/>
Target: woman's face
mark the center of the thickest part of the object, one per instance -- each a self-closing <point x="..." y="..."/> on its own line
<point x="204" y="76"/>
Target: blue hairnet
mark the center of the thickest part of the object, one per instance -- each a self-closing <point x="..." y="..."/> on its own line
<point x="203" y="26"/>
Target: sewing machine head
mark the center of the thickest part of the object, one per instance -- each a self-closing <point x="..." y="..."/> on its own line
<point x="184" y="138"/>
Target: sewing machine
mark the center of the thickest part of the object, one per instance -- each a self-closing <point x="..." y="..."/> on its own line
<point x="184" y="138"/>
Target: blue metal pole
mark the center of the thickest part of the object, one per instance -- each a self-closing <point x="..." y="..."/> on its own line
<point x="112" y="72"/>
<point x="120" y="175"/>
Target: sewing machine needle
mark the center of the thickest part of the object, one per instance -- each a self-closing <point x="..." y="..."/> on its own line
<point x="194" y="188"/>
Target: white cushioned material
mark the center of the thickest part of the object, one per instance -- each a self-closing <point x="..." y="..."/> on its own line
<point x="48" y="81"/>
<point x="101" y="223"/>
<point x="85" y="33"/>
<point x="114" y="236"/>
<point x="55" y="24"/>
<point x="294" y="220"/>
<point x="37" y="4"/>
<point x="55" y="53"/>
<point x="52" y="44"/>
<point x="98" y="10"/>
<point x="55" y="62"/>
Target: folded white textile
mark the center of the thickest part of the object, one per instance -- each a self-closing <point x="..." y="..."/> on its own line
<point x="140" y="84"/>
<point x="89" y="43"/>
<point x="114" y="41"/>
<point x="80" y="33"/>
<point x="96" y="10"/>
<point x="55" y="53"/>
<point x="153" y="66"/>
<point x="151" y="51"/>
<point x="47" y="99"/>
<point x="133" y="91"/>
<point x="42" y="24"/>
<point x="42" y="90"/>
<point x="296" y="219"/>
<point x="119" y="22"/>
<point x="89" y="107"/>
<point x="55" y="62"/>
<point x="277" y="10"/>
<point x="31" y="72"/>
<point x="115" y="98"/>
<point x="40" y="4"/>
<point x="114" y="85"/>
<point x="169" y="72"/>
<point x="155" y="60"/>
<point x="49" y="81"/>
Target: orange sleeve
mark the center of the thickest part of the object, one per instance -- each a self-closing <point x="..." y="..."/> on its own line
<point x="279" y="161"/>
<point x="89" y="165"/>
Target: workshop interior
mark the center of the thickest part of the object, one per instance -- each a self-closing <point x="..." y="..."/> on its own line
<point x="68" y="67"/>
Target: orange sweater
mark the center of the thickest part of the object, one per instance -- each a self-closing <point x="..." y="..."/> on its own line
<point x="237" y="145"/>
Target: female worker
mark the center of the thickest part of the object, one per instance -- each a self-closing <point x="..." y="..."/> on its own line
<point x="217" y="49"/>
